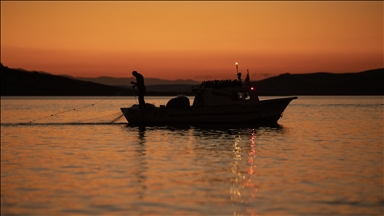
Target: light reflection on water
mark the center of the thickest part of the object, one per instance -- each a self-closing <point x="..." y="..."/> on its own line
<point x="324" y="157"/>
<point x="243" y="190"/>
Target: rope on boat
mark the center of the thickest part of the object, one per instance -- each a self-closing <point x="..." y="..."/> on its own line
<point x="134" y="95"/>
<point x="116" y="117"/>
<point x="113" y="121"/>
<point x="93" y="104"/>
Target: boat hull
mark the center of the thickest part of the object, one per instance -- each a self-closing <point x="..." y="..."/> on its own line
<point x="263" y="113"/>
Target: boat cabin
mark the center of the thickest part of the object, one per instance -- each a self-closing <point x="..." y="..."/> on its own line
<point x="224" y="92"/>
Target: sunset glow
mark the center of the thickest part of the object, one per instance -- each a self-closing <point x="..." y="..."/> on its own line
<point x="191" y="40"/>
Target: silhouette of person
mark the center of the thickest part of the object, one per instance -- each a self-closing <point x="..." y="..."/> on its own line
<point x="141" y="87"/>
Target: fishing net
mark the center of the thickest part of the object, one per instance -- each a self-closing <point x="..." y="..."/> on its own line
<point x="68" y="110"/>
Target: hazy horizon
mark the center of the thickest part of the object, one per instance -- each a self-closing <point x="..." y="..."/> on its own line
<point x="129" y="75"/>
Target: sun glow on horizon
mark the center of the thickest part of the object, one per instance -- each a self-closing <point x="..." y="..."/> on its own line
<point x="191" y="40"/>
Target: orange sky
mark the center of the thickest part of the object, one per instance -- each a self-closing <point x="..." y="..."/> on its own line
<point x="191" y="40"/>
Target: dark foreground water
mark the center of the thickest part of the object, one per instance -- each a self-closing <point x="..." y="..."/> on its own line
<point x="75" y="156"/>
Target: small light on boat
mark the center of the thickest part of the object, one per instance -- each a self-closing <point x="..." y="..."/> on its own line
<point x="252" y="88"/>
<point x="237" y="63"/>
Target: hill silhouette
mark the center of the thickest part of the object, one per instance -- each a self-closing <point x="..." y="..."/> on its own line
<point x="18" y="82"/>
<point x="23" y="83"/>
<point x="363" y="83"/>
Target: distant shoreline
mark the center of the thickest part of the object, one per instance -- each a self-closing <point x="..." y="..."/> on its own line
<point x="16" y="82"/>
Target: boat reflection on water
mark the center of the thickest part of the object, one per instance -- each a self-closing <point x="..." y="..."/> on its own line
<point x="209" y="168"/>
<point x="242" y="128"/>
<point x="243" y="188"/>
<point x="142" y="166"/>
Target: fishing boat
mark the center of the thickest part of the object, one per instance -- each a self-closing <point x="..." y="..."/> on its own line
<point x="215" y="102"/>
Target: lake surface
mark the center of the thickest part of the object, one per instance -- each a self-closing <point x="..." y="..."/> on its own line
<point x="74" y="155"/>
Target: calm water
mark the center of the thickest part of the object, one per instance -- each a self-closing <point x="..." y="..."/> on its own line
<point x="74" y="155"/>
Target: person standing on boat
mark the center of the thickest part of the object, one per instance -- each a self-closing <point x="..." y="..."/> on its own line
<point x="141" y="87"/>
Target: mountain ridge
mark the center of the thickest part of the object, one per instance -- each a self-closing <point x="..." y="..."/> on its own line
<point x="18" y="82"/>
<point x="369" y="82"/>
